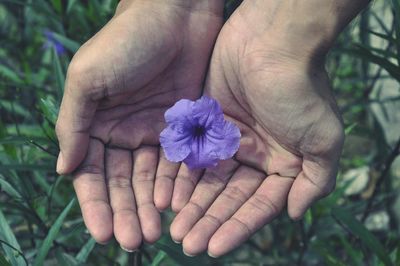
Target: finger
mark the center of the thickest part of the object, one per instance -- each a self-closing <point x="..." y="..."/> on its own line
<point x="144" y="170"/>
<point x="185" y="183"/>
<point x="266" y="203"/>
<point x="239" y="189"/>
<point x="126" y="223"/>
<point x="313" y="183"/>
<point x="210" y="185"/>
<point x="73" y="123"/>
<point x="164" y="184"/>
<point x="90" y="187"/>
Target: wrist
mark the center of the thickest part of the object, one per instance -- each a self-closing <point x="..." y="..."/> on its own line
<point x="304" y="29"/>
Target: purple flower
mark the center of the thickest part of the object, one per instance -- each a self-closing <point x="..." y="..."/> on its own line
<point x="197" y="133"/>
<point x="51" y="42"/>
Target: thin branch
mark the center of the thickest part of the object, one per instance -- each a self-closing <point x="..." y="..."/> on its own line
<point x="386" y="168"/>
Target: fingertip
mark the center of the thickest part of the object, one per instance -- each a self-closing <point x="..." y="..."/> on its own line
<point x="177" y="206"/>
<point x="176" y="233"/>
<point x="212" y="255"/>
<point x="187" y="253"/>
<point x="60" y="164"/>
<point x="150" y="224"/>
<point x="152" y="237"/>
<point x="128" y="250"/>
<point x="296" y="214"/>
<point x="131" y="245"/>
<point x="161" y="204"/>
<point x="102" y="237"/>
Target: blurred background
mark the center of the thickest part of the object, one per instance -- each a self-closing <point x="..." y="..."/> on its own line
<point x="40" y="221"/>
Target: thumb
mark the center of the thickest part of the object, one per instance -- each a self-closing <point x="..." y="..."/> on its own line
<point x="73" y="124"/>
<point x="318" y="176"/>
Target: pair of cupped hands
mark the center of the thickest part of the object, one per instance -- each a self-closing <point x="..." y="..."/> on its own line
<point x="152" y="54"/>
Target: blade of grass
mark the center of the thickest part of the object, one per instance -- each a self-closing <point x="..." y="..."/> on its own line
<point x="9" y="74"/>
<point x="84" y="253"/>
<point x="8" y="188"/>
<point x="59" y="74"/>
<point x="358" y="229"/>
<point x="3" y="261"/>
<point x="70" y="5"/>
<point x="51" y="236"/>
<point x="161" y="255"/>
<point x="174" y="251"/>
<point x="396" y="18"/>
<point x="8" y="236"/>
<point x="65" y="259"/>
<point x="365" y="54"/>
<point x="350" y="128"/>
<point x="71" y="45"/>
<point x="27" y="167"/>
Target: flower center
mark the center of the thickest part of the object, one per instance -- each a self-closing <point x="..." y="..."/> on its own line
<point x="199" y="131"/>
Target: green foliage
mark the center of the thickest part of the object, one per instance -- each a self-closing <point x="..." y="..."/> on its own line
<point x="41" y="225"/>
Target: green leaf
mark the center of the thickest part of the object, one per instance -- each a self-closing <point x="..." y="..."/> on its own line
<point x="398" y="256"/>
<point x="359" y="230"/>
<point x="59" y="74"/>
<point x="49" y="109"/>
<point x="350" y="128"/>
<point x="71" y="45"/>
<point x="65" y="259"/>
<point x="27" y="167"/>
<point x="159" y="258"/>
<point x="175" y="252"/>
<point x="10" y="74"/>
<point x="382" y="35"/>
<point x="3" y="261"/>
<point x="354" y="254"/>
<point x="71" y="3"/>
<point x="84" y="253"/>
<point x="8" y="188"/>
<point x="7" y="235"/>
<point x="51" y="236"/>
<point x="15" y="107"/>
<point x="365" y="54"/>
<point x="396" y="18"/>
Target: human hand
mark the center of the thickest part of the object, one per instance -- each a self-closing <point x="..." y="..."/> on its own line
<point x="118" y="86"/>
<point x="275" y="88"/>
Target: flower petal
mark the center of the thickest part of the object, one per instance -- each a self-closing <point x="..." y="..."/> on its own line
<point x="202" y="154"/>
<point x="206" y="111"/>
<point x="176" y="143"/>
<point x="181" y="112"/>
<point x="225" y="137"/>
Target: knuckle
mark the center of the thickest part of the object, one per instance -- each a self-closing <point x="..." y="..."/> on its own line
<point x="235" y="193"/>
<point x="265" y="204"/>
<point x="92" y="169"/>
<point x="213" y="219"/>
<point x="119" y="182"/>
<point x="195" y="206"/>
<point x="143" y="176"/>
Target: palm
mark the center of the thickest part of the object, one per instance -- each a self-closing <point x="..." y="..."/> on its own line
<point x="291" y="141"/>
<point x="136" y="67"/>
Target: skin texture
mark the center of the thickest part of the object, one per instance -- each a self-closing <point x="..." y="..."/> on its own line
<point x="279" y="95"/>
<point x="267" y="73"/>
<point x="119" y="84"/>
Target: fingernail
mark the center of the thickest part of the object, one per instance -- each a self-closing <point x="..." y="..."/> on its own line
<point x="212" y="255"/>
<point x="128" y="250"/>
<point x="177" y="242"/>
<point x="187" y="254"/>
<point x="60" y="164"/>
